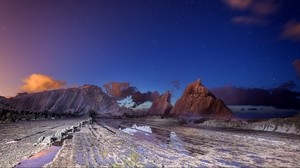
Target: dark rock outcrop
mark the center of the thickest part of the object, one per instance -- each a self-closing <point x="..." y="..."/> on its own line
<point x="198" y="102"/>
<point x="161" y="106"/>
<point x="84" y="100"/>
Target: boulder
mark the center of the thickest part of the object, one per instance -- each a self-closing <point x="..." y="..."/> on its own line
<point x="161" y="106"/>
<point x="198" y="102"/>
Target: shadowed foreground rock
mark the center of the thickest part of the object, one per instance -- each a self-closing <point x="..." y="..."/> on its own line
<point x="162" y="105"/>
<point x="198" y="102"/>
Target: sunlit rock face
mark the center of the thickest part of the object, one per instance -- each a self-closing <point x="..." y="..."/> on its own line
<point x="77" y="101"/>
<point x="162" y="105"/>
<point x="198" y="102"/>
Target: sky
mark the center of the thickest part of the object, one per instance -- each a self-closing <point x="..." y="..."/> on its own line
<point x="155" y="45"/>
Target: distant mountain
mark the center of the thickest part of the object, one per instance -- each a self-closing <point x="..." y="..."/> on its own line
<point x="83" y="100"/>
<point x="198" y="102"/>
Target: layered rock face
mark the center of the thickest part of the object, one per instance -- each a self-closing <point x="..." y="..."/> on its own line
<point x="289" y="125"/>
<point x="82" y="100"/>
<point x="198" y="102"/>
<point x="162" y="105"/>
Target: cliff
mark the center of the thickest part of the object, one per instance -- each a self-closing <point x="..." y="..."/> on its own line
<point x="82" y="100"/>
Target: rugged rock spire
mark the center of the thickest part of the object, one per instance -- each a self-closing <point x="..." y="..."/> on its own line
<point x="162" y="105"/>
<point x="198" y="102"/>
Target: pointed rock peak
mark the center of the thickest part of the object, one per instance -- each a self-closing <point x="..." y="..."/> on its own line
<point x="198" y="82"/>
<point x="162" y="105"/>
<point x="198" y="101"/>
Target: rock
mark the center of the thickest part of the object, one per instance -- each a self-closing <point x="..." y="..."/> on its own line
<point x="162" y="105"/>
<point x="84" y="100"/>
<point x="198" y="102"/>
<point x="290" y="125"/>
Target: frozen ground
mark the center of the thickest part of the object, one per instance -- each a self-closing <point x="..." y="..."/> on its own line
<point x="154" y="142"/>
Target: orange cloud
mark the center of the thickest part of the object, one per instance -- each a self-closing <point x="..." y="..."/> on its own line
<point x="249" y="20"/>
<point x="296" y="64"/>
<point x="239" y="4"/>
<point x="115" y="89"/>
<point x="40" y="82"/>
<point x="291" y="31"/>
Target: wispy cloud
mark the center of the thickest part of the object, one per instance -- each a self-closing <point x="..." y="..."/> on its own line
<point x="239" y="4"/>
<point x="291" y="31"/>
<point x="40" y="82"/>
<point x="265" y="7"/>
<point x="257" y="11"/>
<point x="279" y="97"/>
<point x="296" y="64"/>
<point x="176" y="84"/>
<point x="249" y="20"/>
<point x="288" y="85"/>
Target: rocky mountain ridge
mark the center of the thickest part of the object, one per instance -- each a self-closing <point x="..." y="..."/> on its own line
<point x="196" y="102"/>
<point x="83" y="100"/>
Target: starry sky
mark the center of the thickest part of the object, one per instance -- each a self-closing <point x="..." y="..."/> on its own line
<point x="155" y="45"/>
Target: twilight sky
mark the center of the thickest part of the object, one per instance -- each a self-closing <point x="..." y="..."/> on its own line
<point x="153" y="45"/>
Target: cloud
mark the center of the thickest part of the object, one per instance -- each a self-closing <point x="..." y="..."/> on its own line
<point x="265" y="7"/>
<point x="291" y="31"/>
<point x="282" y="98"/>
<point x="257" y="11"/>
<point x="288" y="85"/>
<point x="296" y="64"/>
<point x="257" y="7"/>
<point x="40" y="82"/>
<point x="176" y="84"/>
<point x="118" y="90"/>
<point x="249" y="20"/>
<point x="239" y="4"/>
<point x="121" y="90"/>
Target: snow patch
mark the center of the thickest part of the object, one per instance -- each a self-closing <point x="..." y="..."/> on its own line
<point x="134" y="128"/>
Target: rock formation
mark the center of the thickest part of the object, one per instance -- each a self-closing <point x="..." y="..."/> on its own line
<point x="198" y="102"/>
<point x="162" y="105"/>
<point x="290" y="125"/>
<point x="82" y="100"/>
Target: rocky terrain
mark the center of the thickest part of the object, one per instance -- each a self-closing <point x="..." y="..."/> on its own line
<point x="23" y="139"/>
<point x="79" y="101"/>
<point x="144" y="142"/>
<point x="198" y="102"/>
<point x="289" y="125"/>
<point x="162" y="105"/>
<point x="48" y="133"/>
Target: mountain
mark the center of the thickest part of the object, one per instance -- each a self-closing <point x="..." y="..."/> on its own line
<point x="82" y="100"/>
<point x="198" y="102"/>
<point x="161" y="106"/>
